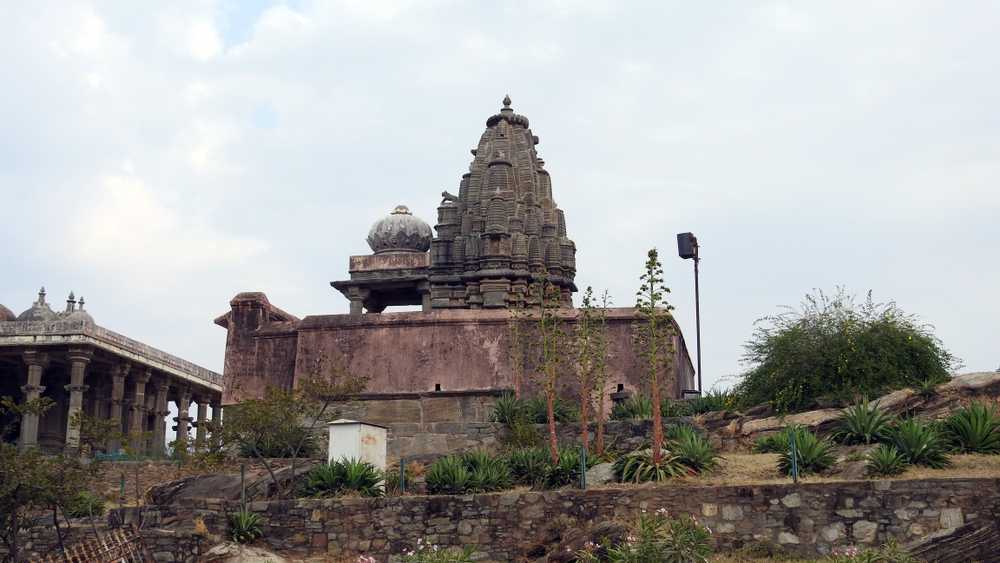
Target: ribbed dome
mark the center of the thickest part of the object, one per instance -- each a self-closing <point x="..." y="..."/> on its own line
<point x="6" y="314"/>
<point x="400" y="232"/>
<point x="39" y="310"/>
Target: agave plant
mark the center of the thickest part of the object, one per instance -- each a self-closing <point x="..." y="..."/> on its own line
<point x="813" y="454"/>
<point x="567" y="471"/>
<point x="638" y="467"/>
<point x="715" y="400"/>
<point x="863" y="423"/>
<point x="670" y="408"/>
<point x="779" y="441"/>
<point x="344" y="476"/>
<point x="974" y="429"/>
<point x="885" y="460"/>
<point x="486" y="472"/>
<point x="633" y="408"/>
<point x="528" y="466"/>
<point x="447" y="476"/>
<point x="509" y="410"/>
<point x="537" y="410"/>
<point x="920" y="443"/>
<point x="692" y="449"/>
<point x="244" y="526"/>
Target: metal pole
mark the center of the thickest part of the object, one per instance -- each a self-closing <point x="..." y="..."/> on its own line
<point x="243" y="487"/>
<point x="583" y="467"/>
<point x="402" y="475"/>
<point x="697" y="313"/>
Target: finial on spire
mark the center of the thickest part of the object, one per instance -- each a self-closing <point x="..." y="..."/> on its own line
<point x="506" y="101"/>
<point x="70" y="303"/>
<point x="81" y="302"/>
<point x="41" y="295"/>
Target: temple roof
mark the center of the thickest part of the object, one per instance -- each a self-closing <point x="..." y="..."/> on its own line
<point x="6" y="314"/>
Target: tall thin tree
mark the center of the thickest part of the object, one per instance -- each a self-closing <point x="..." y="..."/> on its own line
<point x="551" y="338"/>
<point x="601" y="368"/>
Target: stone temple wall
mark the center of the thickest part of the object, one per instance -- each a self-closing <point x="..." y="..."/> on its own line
<point x="460" y="350"/>
<point x="808" y="519"/>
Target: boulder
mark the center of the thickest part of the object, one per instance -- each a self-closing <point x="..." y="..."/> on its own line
<point x="601" y="474"/>
<point x="229" y="552"/>
<point x="224" y="486"/>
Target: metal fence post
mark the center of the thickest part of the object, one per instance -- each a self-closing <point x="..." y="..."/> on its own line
<point x="402" y="475"/>
<point x="794" y="452"/>
<point x="583" y="467"/>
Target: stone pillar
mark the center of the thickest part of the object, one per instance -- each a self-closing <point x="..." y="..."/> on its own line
<point x="36" y="363"/>
<point x="201" y="424"/>
<point x="216" y="424"/>
<point x="183" y="420"/>
<point x="160" y="422"/>
<point x="139" y="411"/>
<point x="78" y="360"/>
<point x="118" y="374"/>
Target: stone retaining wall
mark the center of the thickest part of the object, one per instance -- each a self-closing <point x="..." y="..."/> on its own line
<point x="809" y="519"/>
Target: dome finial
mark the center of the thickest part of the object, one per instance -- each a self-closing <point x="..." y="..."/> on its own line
<point x="41" y="295"/>
<point x="81" y="302"/>
<point x="70" y="303"/>
<point x="506" y="101"/>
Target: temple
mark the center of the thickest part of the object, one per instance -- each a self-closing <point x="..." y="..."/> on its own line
<point x="495" y="241"/>
<point x="85" y="368"/>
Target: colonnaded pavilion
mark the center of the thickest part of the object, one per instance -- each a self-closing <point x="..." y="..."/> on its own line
<point x="85" y="368"/>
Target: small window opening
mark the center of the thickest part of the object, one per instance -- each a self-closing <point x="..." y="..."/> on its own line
<point x="437" y="386"/>
<point x="621" y="387"/>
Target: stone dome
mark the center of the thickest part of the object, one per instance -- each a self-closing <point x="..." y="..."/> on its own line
<point x="39" y="310"/>
<point x="6" y="314"/>
<point x="400" y="232"/>
<point x="77" y="313"/>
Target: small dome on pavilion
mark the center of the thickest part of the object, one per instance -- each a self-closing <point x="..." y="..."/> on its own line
<point x="6" y="314"/>
<point x="401" y="231"/>
<point x="78" y="314"/>
<point x="39" y="310"/>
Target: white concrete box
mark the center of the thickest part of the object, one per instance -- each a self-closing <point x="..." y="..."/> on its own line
<point x="358" y="440"/>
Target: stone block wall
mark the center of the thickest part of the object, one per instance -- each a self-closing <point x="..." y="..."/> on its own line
<point x="809" y="519"/>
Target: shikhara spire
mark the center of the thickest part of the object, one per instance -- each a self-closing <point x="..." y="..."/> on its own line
<point x="504" y="230"/>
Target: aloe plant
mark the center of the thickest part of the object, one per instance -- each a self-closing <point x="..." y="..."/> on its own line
<point x="974" y="429"/>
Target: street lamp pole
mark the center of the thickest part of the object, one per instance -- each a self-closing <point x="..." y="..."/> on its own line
<point x="687" y="247"/>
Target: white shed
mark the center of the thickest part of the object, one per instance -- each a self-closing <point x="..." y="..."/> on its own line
<point x="359" y="440"/>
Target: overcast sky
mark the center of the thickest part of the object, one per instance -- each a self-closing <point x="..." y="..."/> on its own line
<point x="160" y="157"/>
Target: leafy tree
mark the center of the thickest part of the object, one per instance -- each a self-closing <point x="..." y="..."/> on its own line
<point x="654" y="339"/>
<point x="835" y="348"/>
<point x="285" y="420"/>
<point x="584" y="336"/>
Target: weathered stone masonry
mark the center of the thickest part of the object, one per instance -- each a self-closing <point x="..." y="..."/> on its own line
<point x="809" y="519"/>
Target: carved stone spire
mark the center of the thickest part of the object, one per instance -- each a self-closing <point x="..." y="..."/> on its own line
<point x="510" y="231"/>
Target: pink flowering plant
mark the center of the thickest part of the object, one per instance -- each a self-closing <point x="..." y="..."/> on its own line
<point x="425" y="552"/>
<point x="655" y="538"/>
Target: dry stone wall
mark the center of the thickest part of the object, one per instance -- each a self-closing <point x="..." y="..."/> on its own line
<point x="809" y="519"/>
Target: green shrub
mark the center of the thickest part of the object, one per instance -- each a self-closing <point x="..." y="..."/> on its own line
<point x="835" y="348"/>
<point x="425" y="552"/>
<point x="537" y="410"/>
<point x="779" y="441"/>
<point x="863" y="423"/>
<point x="281" y="444"/>
<point x="342" y="477"/>
<point x="244" y="526"/>
<point x="509" y="410"/>
<point x="890" y="552"/>
<point x="974" y="429"/>
<point x="567" y="471"/>
<point x="528" y="466"/>
<point x="85" y="504"/>
<point x="814" y="454"/>
<point x="633" y="408"/>
<point x="713" y="401"/>
<point x="486" y="472"/>
<point x="656" y="538"/>
<point x="692" y="449"/>
<point x="920" y="443"/>
<point x="638" y="467"/>
<point x="447" y="476"/>
<point x="670" y="408"/>
<point x="885" y="461"/>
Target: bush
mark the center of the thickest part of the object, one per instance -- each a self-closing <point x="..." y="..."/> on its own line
<point x="342" y="477"/>
<point x="281" y="444"/>
<point x="528" y="466"/>
<point x="244" y="526"/>
<point x="670" y="408"/>
<point x="447" y="476"/>
<point x="638" y="467"/>
<point x="890" y="552"/>
<point x="779" y="441"/>
<point x="85" y="504"/>
<point x="427" y="553"/>
<point x="974" y="429"/>
<point x="633" y="408"/>
<point x="885" y="461"/>
<point x="920" y="443"/>
<point x="692" y="449"/>
<point x="567" y="471"/>
<point x="714" y="401"/>
<point x="863" y="423"/>
<point x="834" y="348"/>
<point x="656" y="538"/>
<point x="814" y="454"/>
<point x="537" y="410"/>
<point x="509" y="410"/>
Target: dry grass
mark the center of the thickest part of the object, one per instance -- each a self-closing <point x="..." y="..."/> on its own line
<point x="753" y="469"/>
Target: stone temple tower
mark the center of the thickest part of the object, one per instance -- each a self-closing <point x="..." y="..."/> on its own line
<point x="504" y="230"/>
